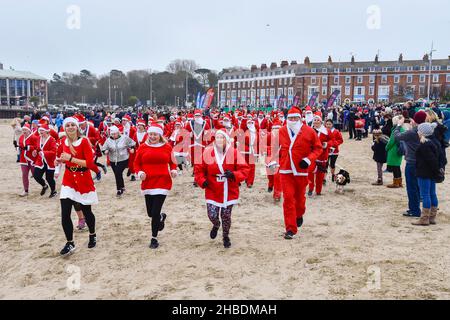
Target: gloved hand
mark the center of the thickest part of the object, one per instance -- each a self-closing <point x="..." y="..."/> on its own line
<point x="205" y="185"/>
<point x="229" y="175"/>
<point x="15" y="144"/>
<point x="321" y="167"/>
<point x="304" y="164"/>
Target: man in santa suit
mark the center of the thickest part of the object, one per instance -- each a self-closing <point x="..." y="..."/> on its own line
<point x="248" y="145"/>
<point x="179" y="140"/>
<point x="282" y="118"/>
<point x="299" y="148"/>
<point x="272" y="160"/>
<point x="318" y="172"/>
<point x="308" y="116"/>
<point x="262" y="122"/>
<point x="89" y="131"/>
<point x="130" y="131"/>
<point x="228" y="127"/>
<point x="199" y="132"/>
<point x="337" y="140"/>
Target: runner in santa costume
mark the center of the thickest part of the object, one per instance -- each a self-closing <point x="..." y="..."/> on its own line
<point x="309" y="116"/>
<point x="299" y="148"/>
<point x="319" y="170"/>
<point x="262" y="122"/>
<point x="77" y="188"/>
<point x="140" y="135"/>
<point x="93" y="135"/>
<point x="179" y="141"/>
<point x="130" y="131"/>
<point x="28" y="153"/>
<point x="46" y="121"/>
<point x="220" y="174"/>
<point x="337" y="140"/>
<point x="272" y="160"/>
<point x="45" y="161"/>
<point x="229" y="129"/>
<point x="198" y="129"/>
<point x="156" y="168"/>
<point x="248" y="146"/>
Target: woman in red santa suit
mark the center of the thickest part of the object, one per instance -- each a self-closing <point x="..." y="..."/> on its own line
<point x="272" y="160"/>
<point x="337" y="140"/>
<point x="28" y="153"/>
<point x="319" y="169"/>
<point x="45" y="161"/>
<point x="156" y="168"/>
<point x="220" y="174"/>
<point x="179" y="140"/>
<point x="248" y="146"/>
<point x="77" y="185"/>
<point x="299" y="148"/>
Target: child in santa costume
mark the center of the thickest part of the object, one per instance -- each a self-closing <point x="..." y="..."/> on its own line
<point x="319" y="170"/>
<point x="248" y="146"/>
<point x="75" y="151"/>
<point x="130" y="131"/>
<point x="45" y="161"/>
<point x="272" y="160"/>
<point x="220" y="174"/>
<point x="179" y="140"/>
<point x="28" y="152"/>
<point x="337" y="140"/>
<point x="156" y="167"/>
<point x="299" y="149"/>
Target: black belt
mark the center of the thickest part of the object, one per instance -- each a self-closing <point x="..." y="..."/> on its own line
<point x="76" y="169"/>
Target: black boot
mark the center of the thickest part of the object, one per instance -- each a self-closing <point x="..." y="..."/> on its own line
<point x="213" y="233"/>
<point x="92" y="241"/>
<point x="226" y="242"/>
<point x="44" y="190"/>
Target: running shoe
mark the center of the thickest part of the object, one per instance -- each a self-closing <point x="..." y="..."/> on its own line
<point x="154" y="244"/>
<point x="44" y="190"/>
<point x="68" y="249"/>
<point x="162" y="222"/>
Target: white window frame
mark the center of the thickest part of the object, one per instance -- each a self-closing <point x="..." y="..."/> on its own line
<point x="372" y="69"/>
<point x="360" y="79"/>
<point x="384" y="78"/>
<point x="348" y="79"/>
<point x="410" y="68"/>
<point x="336" y="79"/>
<point x="447" y="77"/>
<point x="409" y="78"/>
<point x="435" y="78"/>
<point x="371" y="90"/>
<point x="348" y="70"/>
<point x="313" y="80"/>
<point x="360" y="69"/>
<point x="347" y="90"/>
<point x="313" y="70"/>
<point x="336" y="70"/>
<point x="422" y="78"/>
<point x="397" y="69"/>
<point x="396" y="79"/>
<point x="423" y="68"/>
<point x="385" y="69"/>
<point x="326" y="80"/>
<point x="324" y="91"/>
<point x="324" y="70"/>
<point x="371" y="79"/>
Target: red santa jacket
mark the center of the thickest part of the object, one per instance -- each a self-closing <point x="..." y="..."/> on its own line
<point x="92" y="134"/>
<point x="28" y="149"/>
<point x="303" y="146"/>
<point x="326" y="140"/>
<point x="46" y="153"/>
<point x="140" y="138"/>
<point x="221" y="192"/>
<point x="336" y="142"/>
<point x="201" y="138"/>
<point x="156" y="161"/>
<point x="179" y="140"/>
<point x="248" y="143"/>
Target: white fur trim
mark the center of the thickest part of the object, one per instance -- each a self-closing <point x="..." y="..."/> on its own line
<point x="140" y="173"/>
<point x="294" y="115"/>
<point x="153" y="192"/>
<point x="71" y="120"/>
<point x="86" y="199"/>
<point x="155" y="130"/>
<point x="76" y="143"/>
<point x="307" y="161"/>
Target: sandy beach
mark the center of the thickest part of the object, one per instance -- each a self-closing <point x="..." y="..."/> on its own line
<point x="352" y="246"/>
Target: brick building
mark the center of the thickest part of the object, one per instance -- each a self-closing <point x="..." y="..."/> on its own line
<point x="370" y="81"/>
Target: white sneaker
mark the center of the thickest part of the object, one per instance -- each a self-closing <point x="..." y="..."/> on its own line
<point x="23" y="194"/>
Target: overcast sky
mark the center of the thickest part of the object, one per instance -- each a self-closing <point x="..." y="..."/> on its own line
<point x="138" y="34"/>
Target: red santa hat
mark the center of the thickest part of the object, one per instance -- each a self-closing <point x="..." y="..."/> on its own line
<point x="117" y="120"/>
<point x="224" y="134"/>
<point x="81" y="119"/>
<point x="308" y="109"/>
<point x="126" y="118"/>
<point x="261" y="113"/>
<point x="198" y="112"/>
<point x="276" y="124"/>
<point x="71" y="120"/>
<point x="45" y="118"/>
<point x="141" y="122"/>
<point x="226" y="117"/>
<point x="318" y="115"/>
<point x="178" y="123"/>
<point x="27" y="126"/>
<point x="44" y="127"/>
<point x="156" y="128"/>
<point x="294" y="112"/>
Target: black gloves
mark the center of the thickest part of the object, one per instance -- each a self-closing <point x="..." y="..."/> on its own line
<point x="15" y="144"/>
<point x="229" y="175"/>
<point x="304" y="164"/>
<point x="205" y="184"/>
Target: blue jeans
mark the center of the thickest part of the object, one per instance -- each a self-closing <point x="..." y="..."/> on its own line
<point x="412" y="189"/>
<point x="428" y="192"/>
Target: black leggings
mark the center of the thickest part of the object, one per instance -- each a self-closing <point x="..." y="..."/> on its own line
<point x="396" y="171"/>
<point x="118" y="169"/>
<point x="154" y="205"/>
<point x="49" y="176"/>
<point x="66" y="210"/>
<point x="332" y="161"/>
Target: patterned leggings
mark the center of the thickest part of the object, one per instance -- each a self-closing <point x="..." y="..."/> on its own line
<point x="225" y="213"/>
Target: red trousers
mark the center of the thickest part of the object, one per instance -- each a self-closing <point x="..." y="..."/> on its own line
<point x="251" y="175"/>
<point x="131" y="158"/>
<point x="275" y="183"/>
<point x="316" y="179"/>
<point x="294" y="205"/>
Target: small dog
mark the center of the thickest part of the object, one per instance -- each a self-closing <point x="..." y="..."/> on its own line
<point x="342" y="179"/>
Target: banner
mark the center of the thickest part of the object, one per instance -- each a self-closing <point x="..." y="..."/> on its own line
<point x="312" y="100"/>
<point x="297" y="99"/>
<point x="202" y="101"/>
<point x="209" y="99"/>
<point x="197" y="102"/>
<point x="332" y="99"/>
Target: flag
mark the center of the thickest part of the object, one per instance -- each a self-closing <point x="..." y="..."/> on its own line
<point x="312" y="100"/>
<point x="202" y="101"/>
<point x="209" y="98"/>
<point x="332" y="99"/>
<point x="197" y="102"/>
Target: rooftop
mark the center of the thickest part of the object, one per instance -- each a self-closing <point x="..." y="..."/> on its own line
<point x="20" y="75"/>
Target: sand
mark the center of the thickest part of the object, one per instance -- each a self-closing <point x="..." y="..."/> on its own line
<point x="352" y="246"/>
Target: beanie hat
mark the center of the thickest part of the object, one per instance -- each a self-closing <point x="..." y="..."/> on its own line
<point x="420" y="117"/>
<point x="113" y="129"/>
<point x="426" y="129"/>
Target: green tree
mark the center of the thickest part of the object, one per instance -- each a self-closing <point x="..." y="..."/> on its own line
<point x="132" y="100"/>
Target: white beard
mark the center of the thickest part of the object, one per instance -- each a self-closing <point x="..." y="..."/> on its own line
<point x="199" y="121"/>
<point x="294" y="126"/>
<point x="309" y="117"/>
<point x="251" y="128"/>
<point x="227" y="125"/>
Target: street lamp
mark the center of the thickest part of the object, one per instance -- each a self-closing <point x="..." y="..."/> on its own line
<point x="429" y="72"/>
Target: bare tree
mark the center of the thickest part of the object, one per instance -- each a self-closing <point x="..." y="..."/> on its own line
<point x="185" y="65"/>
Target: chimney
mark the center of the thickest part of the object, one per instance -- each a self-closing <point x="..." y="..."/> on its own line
<point x="353" y="59"/>
<point x="1" y="66"/>
<point x="294" y="62"/>
<point x="400" y="58"/>
<point x="425" y="58"/>
<point x="273" y="65"/>
<point x="253" y="68"/>
<point x="263" y="67"/>
<point x="284" y="63"/>
<point x="307" y="62"/>
<point x="376" y="59"/>
<point x="330" y="61"/>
